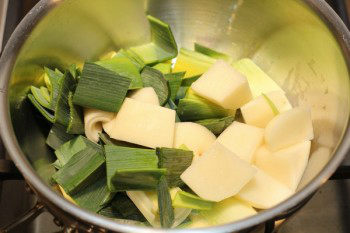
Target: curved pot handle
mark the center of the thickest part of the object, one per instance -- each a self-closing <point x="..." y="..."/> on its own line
<point x="27" y="217"/>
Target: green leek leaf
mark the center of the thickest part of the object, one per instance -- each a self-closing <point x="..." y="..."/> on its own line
<point x="181" y="93"/>
<point x="194" y="110"/>
<point x="154" y="78"/>
<point x="39" y="97"/>
<point x="163" y="67"/>
<point x="57" y="164"/>
<point x="192" y="62"/>
<point x="57" y="71"/>
<point x="73" y="70"/>
<point x="171" y="105"/>
<point x="211" y="53"/>
<point x="95" y="196"/>
<point x="166" y="210"/>
<point x="109" y="212"/>
<point x="100" y="88"/>
<point x="76" y="122"/>
<point x="127" y="159"/>
<point x="271" y="104"/>
<point x="66" y="151"/>
<point x="187" y="82"/>
<point x="136" y="179"/>
<point x="49" y="116"/>
<point x="136" y="60"/>
<point x="53" y="80"/>
<point x="82" y="170"/>
<point x="174" y="80"/>
<point x="106" y="140"/>
<point x="126" y="208"/>
<point x="217" y="125"/>
<point x="176" y="161"/>
<point x="123" y="66"/>
<point x="58" y="136"/>
<point x="187" y="200"/>
<point x="45" y="93"/>
<point x="62" y="110"/>
<point x="163" y="46"/>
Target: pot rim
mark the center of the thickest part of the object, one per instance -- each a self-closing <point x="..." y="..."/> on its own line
<point x="7" y="62"/>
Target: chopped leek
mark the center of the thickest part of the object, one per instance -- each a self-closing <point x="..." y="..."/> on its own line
<point x="163" y="67"/>
<point x="187" y="82"/>
<point x="39" y="97"/>
<point x="123" y="66"/>
<point x="123" y="158"/>
<point x="100" y="88"/>
<point x="73" y="71"/>
<point x="76" y="122"/>
<point x="211" y="53"/>
<point x="126" y="208"/>
<point x="136" y="179"/>
<point x="271" y="104"/>
<point x="132" y="57"/>
<point x="155" y="79"/>
<point x="192" y="62"/>
<point x="83" y="169"/>
<point x="217" y="125"/>
<point x="48" y="115"/>
<point x="57" y="71"/>
<point x="181" y="93"/>
<point x="109" y="212"/>
<point x="187" y="200"/>
<point x="194" y="110"/>
<point x="174" y="80"/>
<point x="57" y="164"/>
<point x="58" y="136"/>
<point x="176" y="161"/>
<point x="239" y="116"/>
<point x="62" y="110"/>
<point x="66" y="151"/>
<point x="94" y="197"/>
<point x="166" y="210"/>
<point x="52" y="80"/>
<point x="45" y="93"/>
<point x="162" y="47"/>
<point x="106" y="140"/>
<point x="170" y="104"/>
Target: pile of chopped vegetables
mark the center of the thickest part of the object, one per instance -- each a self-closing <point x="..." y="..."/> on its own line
<point x="196" y="141"/>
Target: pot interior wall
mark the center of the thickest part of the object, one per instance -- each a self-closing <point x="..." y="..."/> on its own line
<point x="285" y="38"/>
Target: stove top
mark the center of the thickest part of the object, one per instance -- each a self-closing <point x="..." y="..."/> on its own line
<point x="328" y="210"/>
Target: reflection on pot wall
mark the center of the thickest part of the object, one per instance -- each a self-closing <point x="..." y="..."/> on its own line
<point x="287" y="40"/>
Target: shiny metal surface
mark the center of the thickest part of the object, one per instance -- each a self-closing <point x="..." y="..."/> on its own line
<point x="301" y="44"/>
<point x="3" y="11"/>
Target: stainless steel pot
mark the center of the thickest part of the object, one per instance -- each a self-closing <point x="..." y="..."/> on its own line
<point x="303" y="45"/>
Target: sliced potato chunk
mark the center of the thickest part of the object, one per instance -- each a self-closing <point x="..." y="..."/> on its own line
<point x="289" y="128"/>
<point x="259" y="112"/>
<point x="194" y="136"/>
<point x="145" y="95"/>
<point x="218" y="174"/>
<point x="223" y="85"/>
<point x="287" y="165"/>
<point x="264" y="192"/>
<point x="242" y="139"/>
<point x="143" y="124"/>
